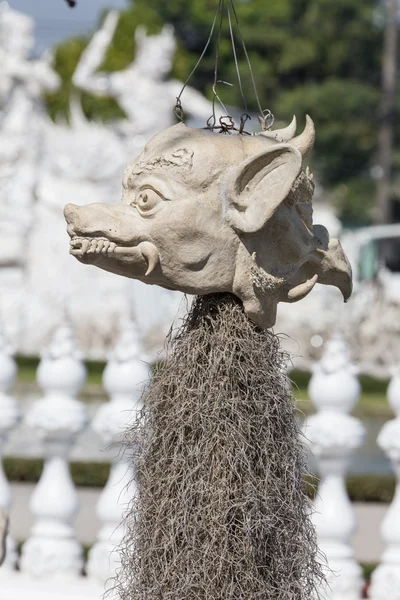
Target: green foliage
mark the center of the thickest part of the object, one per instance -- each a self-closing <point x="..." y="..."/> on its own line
<point x="308" y="56"/>
<point x="371" y="488"/>
<point x="361" y="488"/>
<point x="27" y="367"/>
<point x="29" y="470"/>
<point x="369" y="385"/>
<point x="368" y="569"/>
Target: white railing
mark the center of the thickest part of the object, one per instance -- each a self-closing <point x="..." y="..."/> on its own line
<point x="386" y="578"/>
<point x="52" y="551"/>
<point x="333" y="436"/>
<point x="9" y="417"/>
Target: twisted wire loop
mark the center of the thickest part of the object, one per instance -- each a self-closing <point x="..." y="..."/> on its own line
<point x="266" y="118"/>
<point x="179" y="110"/>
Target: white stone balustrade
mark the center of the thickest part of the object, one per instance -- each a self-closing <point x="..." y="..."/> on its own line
<point x="52" y="549"/>
<point x="123" y="379"/>
<point x="333" y="435"/>
<point x="386" y="578"/>
<point x="9" y="417"/>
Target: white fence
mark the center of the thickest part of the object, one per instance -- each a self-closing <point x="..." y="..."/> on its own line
<point x="52" y="552"/>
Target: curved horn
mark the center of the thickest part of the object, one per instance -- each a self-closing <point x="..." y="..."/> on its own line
<point x="305" y="141"/>
<point x="282" y="135"/>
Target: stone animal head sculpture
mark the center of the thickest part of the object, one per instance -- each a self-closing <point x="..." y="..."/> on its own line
<point x="204" y="213"/>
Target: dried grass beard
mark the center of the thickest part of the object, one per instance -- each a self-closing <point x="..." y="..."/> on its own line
<point x="220" y="513"/>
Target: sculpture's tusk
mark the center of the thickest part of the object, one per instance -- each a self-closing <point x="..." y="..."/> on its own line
<point x="282" y="135"/>
<point x="150" y="254"/>
<point x="301" y="291"/>
<point x="305" y="141"/>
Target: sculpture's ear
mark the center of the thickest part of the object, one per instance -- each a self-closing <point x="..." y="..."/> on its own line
<point x="259" y="185"/>
<point x="140" y="34"/>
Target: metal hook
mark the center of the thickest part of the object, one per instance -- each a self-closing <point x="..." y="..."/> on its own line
<point x="243" y="120"/>
<point x="211" y="122"/>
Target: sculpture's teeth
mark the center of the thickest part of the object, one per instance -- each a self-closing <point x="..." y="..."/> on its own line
<point x="85" y="245"/>
<point x="92" y="247"/>
<point x="105" y="247"/>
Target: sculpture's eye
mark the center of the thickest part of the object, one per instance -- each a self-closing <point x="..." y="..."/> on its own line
<point x="147" y="200"/>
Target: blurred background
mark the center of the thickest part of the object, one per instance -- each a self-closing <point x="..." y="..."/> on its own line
<point x="81" y="92"/>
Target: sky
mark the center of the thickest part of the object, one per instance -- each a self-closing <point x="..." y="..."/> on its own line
<point x="55" y="21"/>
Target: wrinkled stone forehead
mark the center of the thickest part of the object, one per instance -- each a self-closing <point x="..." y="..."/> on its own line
<point x="198" y="154"/>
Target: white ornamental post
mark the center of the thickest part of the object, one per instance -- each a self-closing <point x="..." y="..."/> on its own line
<point x="386" y="578"/>
<point x="58" y="417"/>
<point x="9" y="417"/>
<point x="333" y="435"/>
<point x="123" y="379"/>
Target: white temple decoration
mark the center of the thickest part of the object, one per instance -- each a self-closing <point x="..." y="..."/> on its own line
<point x="386" y="578"/>
<point x="150" y="108"/>
<point x="333" y="435"/>
<point x="123" y="379"/>
<point x="22" y="140"/>
<point x="44" y="165"/>
<point x="52" y="549"/>
<point x="9" y="417"/>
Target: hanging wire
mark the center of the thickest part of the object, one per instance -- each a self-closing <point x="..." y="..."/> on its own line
<point x="221" y="8"/>
<point x="178" y="99"/>
<point x="247" y="58"/>
<point x="236" y="60"/>
<point x="226" y="123"/>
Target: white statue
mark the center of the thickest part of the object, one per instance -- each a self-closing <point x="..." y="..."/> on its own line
<point x="141" y="90"/>
<point x="83" y="162"/>
<point x="43" y="166"/>
<point x="22" y="126"/>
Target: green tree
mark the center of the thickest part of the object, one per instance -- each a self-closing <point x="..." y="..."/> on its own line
<point x="308" y="56"/>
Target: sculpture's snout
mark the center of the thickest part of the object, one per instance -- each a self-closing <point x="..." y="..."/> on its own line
<point x="98" y="220"/>
<point x="71" y="216"/>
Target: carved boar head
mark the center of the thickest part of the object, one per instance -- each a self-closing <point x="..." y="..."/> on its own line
<point x="203" y="212"/>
